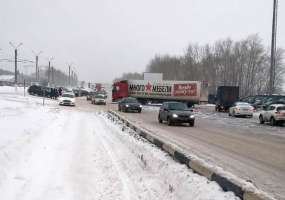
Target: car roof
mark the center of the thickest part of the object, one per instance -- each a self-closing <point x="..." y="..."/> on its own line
<point x="277" y="105"/>
<point x="242" y="102"/>
<point x="68" y="93"/>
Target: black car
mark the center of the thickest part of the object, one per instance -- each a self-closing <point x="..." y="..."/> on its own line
<point x="35" y="90"/>
<point x="176" y="112"/>
<point x="129" y="104"/>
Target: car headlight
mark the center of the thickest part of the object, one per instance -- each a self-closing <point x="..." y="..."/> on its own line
<point x="127" y="105"/>
<point x="192" y="116"/>
<point x="140" y="106"/>
<point x="174" y="115"/>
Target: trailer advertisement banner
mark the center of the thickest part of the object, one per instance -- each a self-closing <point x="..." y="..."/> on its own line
<point x="187" y="89"/>
<point x="150" y="89"/>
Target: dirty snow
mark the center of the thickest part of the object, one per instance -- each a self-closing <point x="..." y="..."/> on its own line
<point x="48" y="152"/>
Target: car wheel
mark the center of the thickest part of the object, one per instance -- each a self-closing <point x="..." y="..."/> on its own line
<point x="139" y="111"/>
<point x="234" y="114"/>
<point x="261" y="120"/>
<point x="272" y="121"/>
<point x="159" y="119"/>
<point x="191" y="124"/>
<point x="169" y="122"/>
<point x="230" y="113"/>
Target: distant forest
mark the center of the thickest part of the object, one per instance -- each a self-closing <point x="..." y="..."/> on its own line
<point x="243" y="63"/>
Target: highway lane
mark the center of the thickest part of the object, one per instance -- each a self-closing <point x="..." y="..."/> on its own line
<point x="240" y="146"/>
<point x="252" y="153"/>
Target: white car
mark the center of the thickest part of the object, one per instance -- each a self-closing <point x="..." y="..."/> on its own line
<point x="274" y="114"/>
<point x="67" y="99"/>
<point x="241" y="109"/>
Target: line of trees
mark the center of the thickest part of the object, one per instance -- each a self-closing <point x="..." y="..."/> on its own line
<point x="243" y="63"/>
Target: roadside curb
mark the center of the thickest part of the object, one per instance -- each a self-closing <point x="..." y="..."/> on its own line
<point x="228" y="182"/>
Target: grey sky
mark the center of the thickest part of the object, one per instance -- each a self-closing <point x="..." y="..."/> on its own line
<point x="105" y="38"/>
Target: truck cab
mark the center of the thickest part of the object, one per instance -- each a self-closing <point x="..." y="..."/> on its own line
<point x="120" y="90"/>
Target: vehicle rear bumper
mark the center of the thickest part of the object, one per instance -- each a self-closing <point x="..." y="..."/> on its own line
<point x="243" y="113"/>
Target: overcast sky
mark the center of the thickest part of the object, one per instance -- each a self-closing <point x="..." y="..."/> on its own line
<point x="104" y="38"/>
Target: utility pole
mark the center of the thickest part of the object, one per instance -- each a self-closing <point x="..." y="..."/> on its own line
<point x="49" y="61"/>
<point x="16" y="60"/>
<point x="69" y="75"/>
<point x="37" y="65"/>
<point x="52" y="75"/>
<point x="273" y="49"/>
<point x="48" y="73"/>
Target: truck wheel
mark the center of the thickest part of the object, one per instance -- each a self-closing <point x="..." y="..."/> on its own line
<point x="272" y="121"/>
<point x="261" y="120"/>
<point x="169" y="122"/>
<point x="159" y="119"/>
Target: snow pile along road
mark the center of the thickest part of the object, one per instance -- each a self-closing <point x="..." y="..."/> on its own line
<point x="52" y="153"/>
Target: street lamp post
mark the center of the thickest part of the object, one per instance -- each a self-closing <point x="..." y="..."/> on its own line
<point x="273" y="48"/>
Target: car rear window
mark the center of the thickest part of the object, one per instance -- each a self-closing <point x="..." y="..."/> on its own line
<point x="281" y="108"/>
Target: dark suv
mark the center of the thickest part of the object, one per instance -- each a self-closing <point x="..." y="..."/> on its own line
<point x="175" y="112"/>
<point x="129" y="104"/>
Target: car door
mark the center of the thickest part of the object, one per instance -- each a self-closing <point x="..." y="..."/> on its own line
<point x="268" y="112"/>
<point x="163" y="111"/>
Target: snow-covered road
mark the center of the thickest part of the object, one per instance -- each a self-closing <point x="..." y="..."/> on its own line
<point x="63" y="154"/>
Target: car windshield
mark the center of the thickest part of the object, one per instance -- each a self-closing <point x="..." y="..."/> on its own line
<point x="68" y="95"/>
<point x="131" y="100"/>
<point x="177" y="106"/>
<point x="100" y="96"/>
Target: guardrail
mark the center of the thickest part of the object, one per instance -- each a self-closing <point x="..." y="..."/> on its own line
<point x="228" y="182"/>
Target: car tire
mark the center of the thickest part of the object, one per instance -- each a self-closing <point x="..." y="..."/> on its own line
<point x="261" y="120"/>
<point x="139" y="111"/>
<point x="169" y="122"/>
<point x="119" y="108"/>
<point x="191" y="124"/>
<point x="272" y="121"/>
<point x="230" y="114"/>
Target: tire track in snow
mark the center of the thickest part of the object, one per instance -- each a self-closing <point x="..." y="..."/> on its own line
<point x="128" y="190"/>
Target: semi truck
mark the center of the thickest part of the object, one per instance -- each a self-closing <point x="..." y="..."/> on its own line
<point x="226" y="97"/>
<point x="154" y="91"/>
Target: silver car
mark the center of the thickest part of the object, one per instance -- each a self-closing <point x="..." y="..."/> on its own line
<point x="241" y="109"/>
